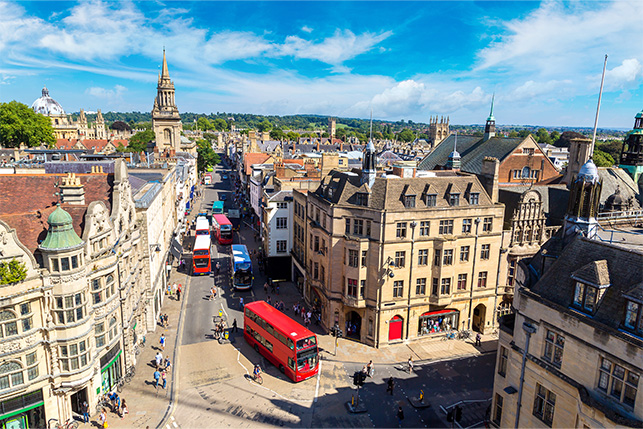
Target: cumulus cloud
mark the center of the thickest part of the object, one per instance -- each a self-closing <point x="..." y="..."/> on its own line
<point x="532" y="89"/>
<point x="306" y="29"/>
<point x="624" y="74"/>
<point x="106" y="94"/>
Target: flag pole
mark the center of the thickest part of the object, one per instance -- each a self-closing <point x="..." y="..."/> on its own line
<point x="598" y="108"/>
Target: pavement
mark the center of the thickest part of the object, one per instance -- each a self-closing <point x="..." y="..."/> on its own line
<point x="209" y="385"/>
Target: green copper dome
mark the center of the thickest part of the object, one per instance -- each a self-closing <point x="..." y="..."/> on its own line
<point x="61" y="234"/>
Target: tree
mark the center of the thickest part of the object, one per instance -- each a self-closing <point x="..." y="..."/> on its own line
<point x="138" y="142"/>
<point x="19" y="124"/>
<point x="13" y="271"/>
<point x="264" y="126"/>
<point x="277" y="134"/>
<point x="611" y="147"/>
<point x="542" y="136"/>
<point x="220" y="124"/>
<point x="203" y="124"/>
<point x="406" y="135"/>
<point x="603" y="159"/>
<point x="292" y="136"/>
<point x="206" y="156"/>
<point x="565" y="138"/>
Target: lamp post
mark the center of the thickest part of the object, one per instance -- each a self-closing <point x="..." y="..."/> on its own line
<point x="529" y="330"/>
<point x="408" y="303"/>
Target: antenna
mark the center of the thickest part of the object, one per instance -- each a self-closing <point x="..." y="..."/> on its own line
<point x="598" y="109"/>
<point x="371" y="124"/>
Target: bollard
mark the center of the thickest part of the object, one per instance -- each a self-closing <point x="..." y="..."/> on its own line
<point x="226" y="335"/>
<point x="353" y="400"/>
<point x="421" y="395"/>
<point x="220" y="313"/>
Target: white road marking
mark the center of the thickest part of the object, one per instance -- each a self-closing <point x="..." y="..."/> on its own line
<point x="175" y="425"/>
<point x="167" y="426"/>
<point x="318" y="377"/>
<point x="172" y="417"/>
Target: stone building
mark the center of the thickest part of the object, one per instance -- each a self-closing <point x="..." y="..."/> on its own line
<point x="632" y="154"/>
<point x="438" y="130"/>
<point x="418" y="255"/>
<point x="71" y="325"/>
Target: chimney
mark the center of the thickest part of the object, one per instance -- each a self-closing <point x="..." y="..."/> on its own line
<point x="489" y="176"/>
<point x="73" y="192"/>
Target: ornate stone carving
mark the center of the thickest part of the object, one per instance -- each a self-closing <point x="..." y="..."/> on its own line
<point x="10" y="346"/>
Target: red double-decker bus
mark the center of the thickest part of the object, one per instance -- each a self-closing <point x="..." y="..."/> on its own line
<point x="222" y="228"/>
<point x="201" y="255"/>
<point x="202" y="226"/>
<point x="281" y="340"/>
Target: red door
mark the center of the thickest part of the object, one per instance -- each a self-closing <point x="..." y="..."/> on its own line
<point x="395" y="328"/>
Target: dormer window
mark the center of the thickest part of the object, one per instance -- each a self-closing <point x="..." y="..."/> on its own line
<point x="431" y="200"/>
<point x="633" y="319"/>
<point x="474" y="198"/>
<point x="587" y="297"/>
<point x="361" y="199"/>
<point x="409" y="201"/>
<point x="454" y="200"/>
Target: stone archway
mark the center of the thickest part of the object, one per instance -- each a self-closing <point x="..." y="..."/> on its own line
<point x="479" y="314"/>
<point x="353" y="325"/>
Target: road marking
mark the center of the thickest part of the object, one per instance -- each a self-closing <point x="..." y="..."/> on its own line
<point x="175" y="425"/>
<point x="167" y="426"/>
<point x="318" y="377"/>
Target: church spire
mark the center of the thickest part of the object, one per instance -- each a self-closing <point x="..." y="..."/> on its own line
<point x="165" y="73"/>
<point x="490" y="126"/>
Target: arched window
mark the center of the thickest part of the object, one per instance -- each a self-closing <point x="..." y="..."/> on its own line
<point x="11" y="375"/>
<point x="525" y="173"/>
<point x="8" y="324"/>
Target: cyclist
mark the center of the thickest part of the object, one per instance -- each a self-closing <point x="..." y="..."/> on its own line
<point x="257" y="371"/>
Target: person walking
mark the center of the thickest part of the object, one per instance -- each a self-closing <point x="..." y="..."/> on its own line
<point x="410" y="362"/>
<point x="241" y="303"/>
<point x="162" y="341"/>
<point x="389" y="386"/>
<point x="265" y="288"/>
<point x="400" y="416"/>
<point x="124" y="409"/>
<point x="213" y="292"/>
<point x="234" y="326"/>
<point x="369" y="369"/>
<point x="164" y="378"/>
<point x="102" y="418"/>
<point x="85" y="409"/>
<point x="478" y="339"/>
<point x="178" y="292"/>
<point x="159" y="359"/>
<point x="167" y="363"/>
<point x="157" y="378"/>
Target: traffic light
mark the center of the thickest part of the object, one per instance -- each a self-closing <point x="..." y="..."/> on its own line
<point x="362" y="378"/>
<point x="333" y="331"/>
<point x="356" y="378"/>
<point x="458" y="413"/>
<point x="340" y="333"/>
<point x="450" y="416"/>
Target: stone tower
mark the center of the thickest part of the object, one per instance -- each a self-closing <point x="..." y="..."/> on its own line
<point x="632" y="154"/>
<point x="368" y="165"/>
<point x="579" y="154"/>
<point x="438" y="130"/>
<point x="490" y="126"/>
<point x="100" y="126"/>
<point x="332" y="128"/>
<point x="584" y="199"/>
<point x="166" y="121"/>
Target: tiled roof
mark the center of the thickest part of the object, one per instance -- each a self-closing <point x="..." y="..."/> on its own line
<point x="66" y="143"/>
<point x="594" y="273"/>
<point x="251" y="158"/>
<point x="472" y="150"/>
<point x="27" y="200"/>
<point x="97" y="145"/>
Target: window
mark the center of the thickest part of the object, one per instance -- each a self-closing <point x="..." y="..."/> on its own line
<point x="424" y="228"/>
<point x="351" y="288"/>
<point x="322" y="274"/>
<point x="526" y="173"/>
<point x="282" y="205"/>
<point x="74" y="356"/>
<point x="434" y="287"/>
<point x="400" y="259"/>
<point x="113" y="329"/>
<point x="368" y="228"/>
<point x="398" y="288"/>
<point x="633" y="319"/>
<point x="587" y="297"/>
<point x="497" y="415"/>
<point x="316" y="247"/>
<point x="503" y="357"/>
<point x="474" y="198"/>
<point x="97" y="292"/>
<point x="8" y="324"/>
<point x="64" y="264"/>
<point x="401" y="230"/>
<point x="487" y="224"/>
<point x="32" y="366"/>
<point x="431" y="200"/>
<point x="454" y="199"/>
<point x="282" y="223"/>
<point x="316" y="271"/>
<point x="364" y="257"/>
<point x="358" y="227"/>
<point x="448" y="257"/>
<point x="462" y="281"/>
<point x="516" y="174"/>
<point x="352" y="258"/>
<point x="527" y="151"/>
<point x="464" y="254"/>
<point x="11" y="374"/>
<point x="544" y="405"/>
<point x="446" y="227"/>
<point x="362" y="287"/>
<point x="618" y="382"/>
<point x="99" y="331"/>
<point x="409" y="201"/>
<point x="445" y="287"/>
<point x="74" y="262"/>
<point x="484" y="251"/>
<point x="423" y="256"/>
<point x="420" y="286"/>
<point x="281" y="246"/>
<point x="482" y="279"/>
<point x="554" y="344"/>
<point x="437" y="257"/>
<point x="324" y="221"/>
<point x="466" y="226"/>
<point x="511" y="273"/>
<point x="348" y="226"/>
<point x="55" y="264"/>
<point x="361" y="199"/>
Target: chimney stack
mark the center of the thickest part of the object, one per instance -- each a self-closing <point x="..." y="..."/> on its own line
<point x="73" y="192"/>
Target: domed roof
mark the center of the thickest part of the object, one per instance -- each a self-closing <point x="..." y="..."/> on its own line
<point x="454" y="155"/>
<point x="61" y="234"/>
<point x="639" y="115"/>
<point x="588" y="172"/>
<point x="46" y="105"/>
<point x="615" y="199"/>
<point x="370" y="146"/>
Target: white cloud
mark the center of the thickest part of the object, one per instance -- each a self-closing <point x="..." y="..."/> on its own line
<point x="624" y="74"/>
<point x="107" y="94"/>
<point x="234" y="45"/>
<point x="532" y="89"/>
<point x="306" y="29"/>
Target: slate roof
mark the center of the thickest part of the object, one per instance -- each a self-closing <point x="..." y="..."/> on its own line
<point x="472" y="150"/>
<point x="617" y="177"/>
<point x="595" y="273"/>
<point x="388" y="193"/>
<point x="619" y="265"/>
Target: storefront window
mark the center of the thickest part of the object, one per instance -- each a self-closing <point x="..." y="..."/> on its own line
<point x="436" y="322"/>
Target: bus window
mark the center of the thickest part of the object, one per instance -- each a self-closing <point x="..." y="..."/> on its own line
<point x="307" y="360"/>
<point x="305" y="343"/>
<point x="291" y="363"/>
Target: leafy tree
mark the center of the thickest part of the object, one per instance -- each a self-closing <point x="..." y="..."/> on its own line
<point x="120" y="148"/>
<point x="203" y="124"/>
<point x="13" y="271"/>
<point x="19" y="124"/>
<point x="325" y="134"/>
<point x="542" y="136"/>
<point x="611" y="147"/>
<point x="603" y="159"/>
<point x="406" y="135"/>
<point x="277" y="134"/>
<point x="209" y="136"/>
<point x="264" y="126"/>
<point x="206" y="156"/>
<point x="220" y="124"/>
<point x="292" y="136"/>
<point x="138" y="142"/>
<point x="565" y="138"/>
<point x="555" y="135"/>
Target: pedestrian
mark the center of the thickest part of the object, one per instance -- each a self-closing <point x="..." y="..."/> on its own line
<point x="369" y="368"/>
<point x="213" y="292"/>
<point x="178" y="292"/>
<point x="400" y="416"/>
<point x="161" y="320"/>
<point x="157" y="377"/>
<point x="410" y="362"/>
<point x="389" y="387"/>
<point x="167" y="322"/>
<point x="234" y="325"/>
<point x="167" y="363"/>
<point x="241" y="303"/>
<point x="277" y="288"/>
<point x="478" y="338"/>
<point x="164" y="378"/>
<point x="174" y="288"/>
<point x="218" y="267"/>
<point x="265" y="288"/>
<point x="85" y="409"/>
<point x="102" y="418"/>
<point x="272" y="286"/>
<point x="162" y="341"/>
<point x="113" y="397"/>
<point x="269" y="300"/>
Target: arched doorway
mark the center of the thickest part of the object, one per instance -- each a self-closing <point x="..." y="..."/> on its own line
<point x="353" y="325"/>
<point x="395" y="328"/>
<point x="479" y="318"/>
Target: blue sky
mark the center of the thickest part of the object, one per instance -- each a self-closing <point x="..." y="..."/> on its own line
<point x="403" y="60"/>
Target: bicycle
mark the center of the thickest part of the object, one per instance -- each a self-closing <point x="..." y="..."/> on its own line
<point x="69" y="424"/>
<point x="102" y="402"/>
<point x="464" y="334"/>
<point x="449" y="336"/>
<point x="257" y="378"/>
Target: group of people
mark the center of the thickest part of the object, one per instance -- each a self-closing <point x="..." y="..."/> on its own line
<point x="163" y="320"/>
<point x="369" y="369"/>
<point x="174" y="290"/>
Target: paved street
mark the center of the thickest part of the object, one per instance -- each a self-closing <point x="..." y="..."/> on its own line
<point x="210" y="383"/>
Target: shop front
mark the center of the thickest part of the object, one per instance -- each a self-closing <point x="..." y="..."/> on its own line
<point x="23" y="412"/>
<point x="110" y="368"/>
<point x="438" y="322"/>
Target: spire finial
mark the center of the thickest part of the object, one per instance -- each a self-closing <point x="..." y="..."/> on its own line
<point x="492" y="100"/>
<point x="165" y="73"/>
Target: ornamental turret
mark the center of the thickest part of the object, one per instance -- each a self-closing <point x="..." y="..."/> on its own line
<point x="490" y="126"/>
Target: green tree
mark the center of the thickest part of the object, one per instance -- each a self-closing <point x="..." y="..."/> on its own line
<point x="220" y="124"/>
<point x="120" y="148"/>
<point x="611" y="147"/>
<point x="406" y="135"/>
<point x="138" y="142"/>
<point x="206" y="156"/>
<point x="292" y="136"/>
<point x="554" y="136"/>
<point x="542" y="136"/>
<point x="12" y="272"/>
<point x="277" y="134"/>
<point x="264" y="126"/>
<point x="19" y="124"/>
<point x="603" y="159"/>
<point x="203" y="124"/>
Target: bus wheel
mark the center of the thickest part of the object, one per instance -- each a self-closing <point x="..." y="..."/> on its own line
<point x="282" y="369"/>
<point x="257" y="348"/>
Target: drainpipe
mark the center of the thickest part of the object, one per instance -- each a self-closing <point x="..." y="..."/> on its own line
<point x="495" y="298"/>
<point x="378" y="310"/>
<point x="408" y="304"/>
<point x="120" y="298"/>
<point x="473" y="273"/>
<point x="529" y="330"/>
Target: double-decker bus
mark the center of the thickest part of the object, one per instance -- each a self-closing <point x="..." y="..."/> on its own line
<point x="284" y="342"/>
<point x="202" y="226"/>
<point x="222" y="229"/>
<point x="241" y="267"/>
<point x="201" y="255"/>
<point x="217" y="207"/>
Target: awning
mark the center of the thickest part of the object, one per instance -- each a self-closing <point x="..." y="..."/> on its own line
<point x="176" y="249"/>
<point x="436" y="313"/>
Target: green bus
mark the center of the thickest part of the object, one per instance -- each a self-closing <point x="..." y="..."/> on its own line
<point x="217" y="207"/>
